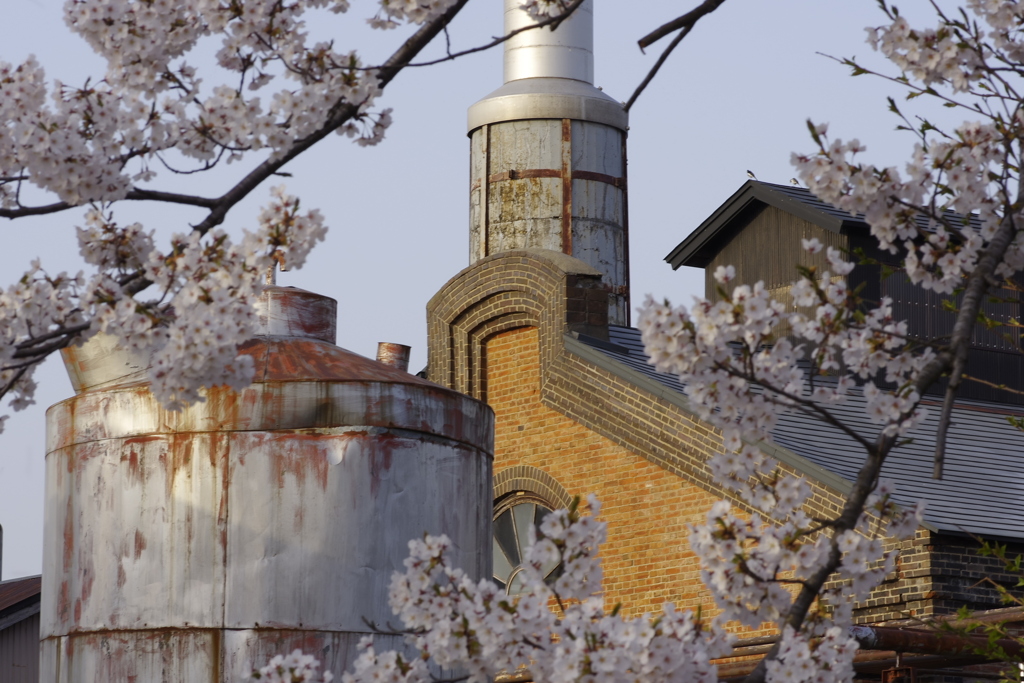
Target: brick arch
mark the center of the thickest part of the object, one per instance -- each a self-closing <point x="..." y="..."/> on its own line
<point x="533" y="480"/>
<point x="538" y="288"/>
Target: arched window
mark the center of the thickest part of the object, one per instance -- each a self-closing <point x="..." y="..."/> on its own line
<point x="514" y="514"/>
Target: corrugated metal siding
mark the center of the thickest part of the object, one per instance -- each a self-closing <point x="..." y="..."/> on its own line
<point x="19" y="651"/>
<point x="994" y="356"/>
<point x="924" y="312"/>
<point x="984" y="482"/>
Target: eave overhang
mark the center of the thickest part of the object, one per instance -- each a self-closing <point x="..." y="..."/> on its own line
<point x="701" y="246"/>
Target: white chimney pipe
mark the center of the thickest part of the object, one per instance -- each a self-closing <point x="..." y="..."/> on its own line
<point x="567" y="52"/>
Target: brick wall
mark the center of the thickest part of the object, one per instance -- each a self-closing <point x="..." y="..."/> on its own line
<point x="498" y="332"/>
<point x="647" y="559"/>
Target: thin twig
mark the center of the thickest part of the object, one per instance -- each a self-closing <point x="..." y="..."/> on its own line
<point x="657" y="65"/>
<point x="684" y="21"/>
<point x="554" y="22"/>
<point x="1001" y="387"/>
<point x="684" y="25"/>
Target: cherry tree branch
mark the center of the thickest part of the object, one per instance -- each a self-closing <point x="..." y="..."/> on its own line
<point x="341" y="114"/>
<point x="684" y="21"/>
<point x="135" y="194"/>
<point x="954" y="357"/>
<point x="866" y="481"/>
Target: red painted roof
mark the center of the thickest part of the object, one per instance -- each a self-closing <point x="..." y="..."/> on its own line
<point x="14" y="591"/>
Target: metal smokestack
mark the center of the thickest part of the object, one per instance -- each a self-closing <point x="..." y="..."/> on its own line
<point x="567" y="52"/>
<point x="548" y="156"/>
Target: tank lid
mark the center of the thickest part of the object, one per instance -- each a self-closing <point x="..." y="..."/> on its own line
<point x="294" y="341"/>
<point x="294" y="312"/>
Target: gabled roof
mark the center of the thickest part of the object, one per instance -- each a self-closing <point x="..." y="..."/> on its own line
<point x="702" y="244"/>
<point x="983" y="483"/>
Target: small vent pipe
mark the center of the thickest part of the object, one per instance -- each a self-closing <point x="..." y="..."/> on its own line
<point x="394" y="355"/>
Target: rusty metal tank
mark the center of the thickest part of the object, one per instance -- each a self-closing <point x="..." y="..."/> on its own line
<point x="193" y="545"/>
<point x="548" y="156"/>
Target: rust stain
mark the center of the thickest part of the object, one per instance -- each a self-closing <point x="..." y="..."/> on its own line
<point x="78" y="611"/>
<point x="226" y="471"/>
<point x="177" y="459"/>
<point x="88" y="577"/>
<point x="524" y="174"/>
<point x="64" y="600"/>
<point x="69" y="536"/>
<point x="222" y="410"/>
<point x="298" y="519"/>
<point x="382" y="449"/>
<point x="295" y="454"/>
<point x="567" y="186"/>
<point x="122" y="577"/>
<point x="311" y="359"/>
<point x="140" y="544"/>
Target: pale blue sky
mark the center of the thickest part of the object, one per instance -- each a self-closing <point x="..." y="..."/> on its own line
<point x="734" y="96"/>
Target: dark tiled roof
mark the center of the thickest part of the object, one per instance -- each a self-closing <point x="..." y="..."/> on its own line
<point x="983" y="487"/>
<point x="805" y="197"/>
<point x="14" y="591"/>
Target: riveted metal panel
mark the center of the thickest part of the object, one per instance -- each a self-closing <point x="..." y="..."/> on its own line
<point x="526" y="144"/>
<point x="169" y="656"/>
<point x="597" y="148"/>
<point x="138" y="540"/>
<point x="319" y="549"/>
<point x="600" y="245"/>
<point x="598" y="202"/>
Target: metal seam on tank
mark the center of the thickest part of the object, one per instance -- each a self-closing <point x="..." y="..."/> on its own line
<point x="404" y="432"/>
<point x="440" y="393"/>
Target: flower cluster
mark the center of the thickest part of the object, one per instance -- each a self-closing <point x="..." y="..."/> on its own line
<point x="294" y="668"/>
<point x="941" y="214"/>
<point x="93" y="142"/>
<point x="209" y="285"/>
<point x="33" y="311"/>
<point x="802" y="660"/>
<point x="414" y="11"/>
<point x="189" y="329"/>
<point x="542" y="9"/>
